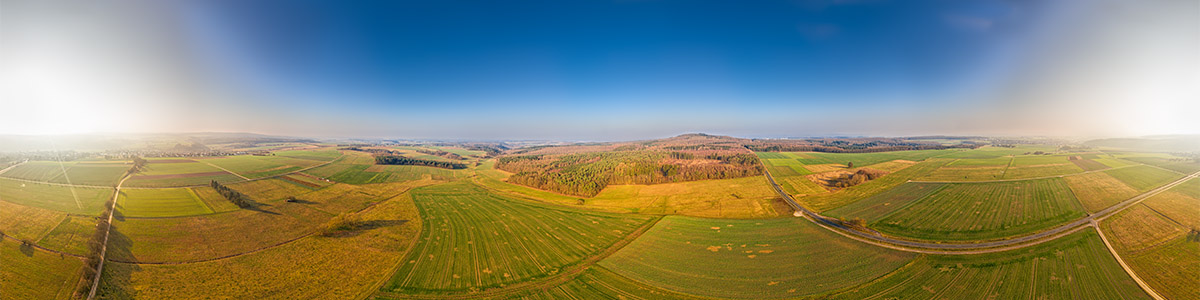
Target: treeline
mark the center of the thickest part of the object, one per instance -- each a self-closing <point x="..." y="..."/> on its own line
<point x="95" y="249"/>
<point x="586" y="174"/>
<point x="239" y="199"/>
<point x="408" y="161"/>
<point x="856" y="178"/>
<point x="850" y="149"/>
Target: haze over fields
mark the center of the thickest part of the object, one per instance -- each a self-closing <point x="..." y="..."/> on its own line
<point x="604" y="70"/>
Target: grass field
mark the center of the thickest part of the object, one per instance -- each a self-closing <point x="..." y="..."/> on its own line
<point x="173" y="202"/>
<point x="265" y="190"/>
<point x="978" y="211"/>
<point x="26" y="222"/>
<point x="317" y="155"/>
<point x="176" y="172"/>
<point x="210" y="236"/>
<point x="340" y="197"/>
<point x="1097" y="191"/>
<point x="1019" y="172"/>
<point x="359" y="168"/>
<point x="972" y="173"/>
<point x="989" y="152"/>
<point x="824" y="202"/>
<point x="1143" y="178"/>
<point x="27" y="273"/>
<point x="883" y="204"/>
<point x="1073" y="267"/>
<point x="76" y="200"/>
<point x="342" y="267"/>
<point x="255" y="166"/>
<point x="747" y="197"/>
<point x="1172" y="269"/>
<point x="71" y="235"/>
<point x="474" y="240"/>
<point x="775" y="258"/>
<point x="101" y="173"/>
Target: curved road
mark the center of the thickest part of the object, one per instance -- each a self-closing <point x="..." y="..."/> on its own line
<point x="969" y="248"/>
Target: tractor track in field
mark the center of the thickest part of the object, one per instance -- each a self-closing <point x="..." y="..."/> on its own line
<point x="550" y="281"/>
<point x="968" y="248"/>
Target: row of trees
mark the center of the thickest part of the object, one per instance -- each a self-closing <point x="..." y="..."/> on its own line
<point x="95" y="250"/>
<point x="441" y="153"/>
<point x="239" y="199"/>
<point x="408" y="161"/>
<point x="139" y="164"/>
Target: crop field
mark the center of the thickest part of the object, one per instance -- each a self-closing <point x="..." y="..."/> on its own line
<point x="71" y="235"/>
<point x="981" y="162"/>
<point x="863" y="159"/>
<point x="745" y="258"/>
<point x="473" y="240"/>
<point x="1113" y="162"/>
<point x="214" y="200"/>
<point x="600" y="283"/>
<point x="747" y="197"/>
<point x="995" y="152"/>
<point x="823" y="202"/>
<point x="176" y="172"/>
<point x="29" y="273"/>
<point x="341" y="267"/>
<point x="1089" y="165"/>
<point x="76" y="200"/>
<point x="883" y="204"/>
<point x="1139" y="228"/>
<point x="1097" y="191"/>
<point x="974" y="173"/>
<point x="1073" y="267"/>
<point x="317" y="155"/>
<point x="254" y="166"/>
<point x="340" y="197"/>
<point x="172" y="202"/>
<point x="1143" y="178"/>
<point x="978" y="211"/>
<point x="101" y="173"/>
<point x="1171" y="269"/>
<point x="211" y="236"/>
<point x="1015" y="172"/>
<point x="799" y="185"/>
<point x="27" y="223"/>
<point x="1039" y="160"/>
<point x="1166" y="161"/>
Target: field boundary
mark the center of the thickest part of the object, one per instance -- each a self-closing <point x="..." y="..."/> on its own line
<point x="1145" y="287"/>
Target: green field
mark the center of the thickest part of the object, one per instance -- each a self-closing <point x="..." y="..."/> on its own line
<point x="1143" y="178"/>
<point x="71" y="235"/>
<point x="172" y="202"/>
<point x="990" y="152"/>
<point x="361" y="169"/>
<point x="473" y="240"/>
<point x="318" y="155"/>
<point x="27" y="273"/>
<point x="859" y="159"/>
<point x="1073" y="267"/>
<point x="255" y="166"/>
<point x="270" y="189"/>
<point x="823" y="202"/>
<point x="27" y="222"/>
<point x="101" y="173"/>
<point x="177" y="172"/>
<point x="1152" y="238"/>
<point x="600" y="283"/>
<point x="1097" y="191"/>
<point x="883" y="204"/>
<point x="979" y="211"/>
<point x="775" y="258"/>
<point x="76" y="200"/>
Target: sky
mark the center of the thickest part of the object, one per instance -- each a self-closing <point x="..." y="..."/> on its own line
<point x="601" y="70"/>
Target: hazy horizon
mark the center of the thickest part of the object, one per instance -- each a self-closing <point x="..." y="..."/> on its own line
<point x="601" y="71"/>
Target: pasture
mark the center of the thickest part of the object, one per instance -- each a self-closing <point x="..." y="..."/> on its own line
<point x="474" y="240"/>
<point x="980" y="211"/>
<point x="314" y="267"/>
<point x="1097" y="191"/>
<point x="773" y="258"/>
<point x="1077" y="266"/>
<point x="1143" y="178"/>
<point x="76" y="200"/>
<point x="28" y="273"/>
<point x="173" y="202"/>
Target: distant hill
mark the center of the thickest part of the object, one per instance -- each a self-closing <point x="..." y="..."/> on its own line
<point x="132" y="141"/>
<point x="1161" y="143"/>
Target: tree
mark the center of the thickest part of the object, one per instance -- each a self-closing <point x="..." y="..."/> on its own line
<point x="850" y="165"/>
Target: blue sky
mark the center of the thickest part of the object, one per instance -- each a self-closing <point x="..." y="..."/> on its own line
<point x="624" y="69"/>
